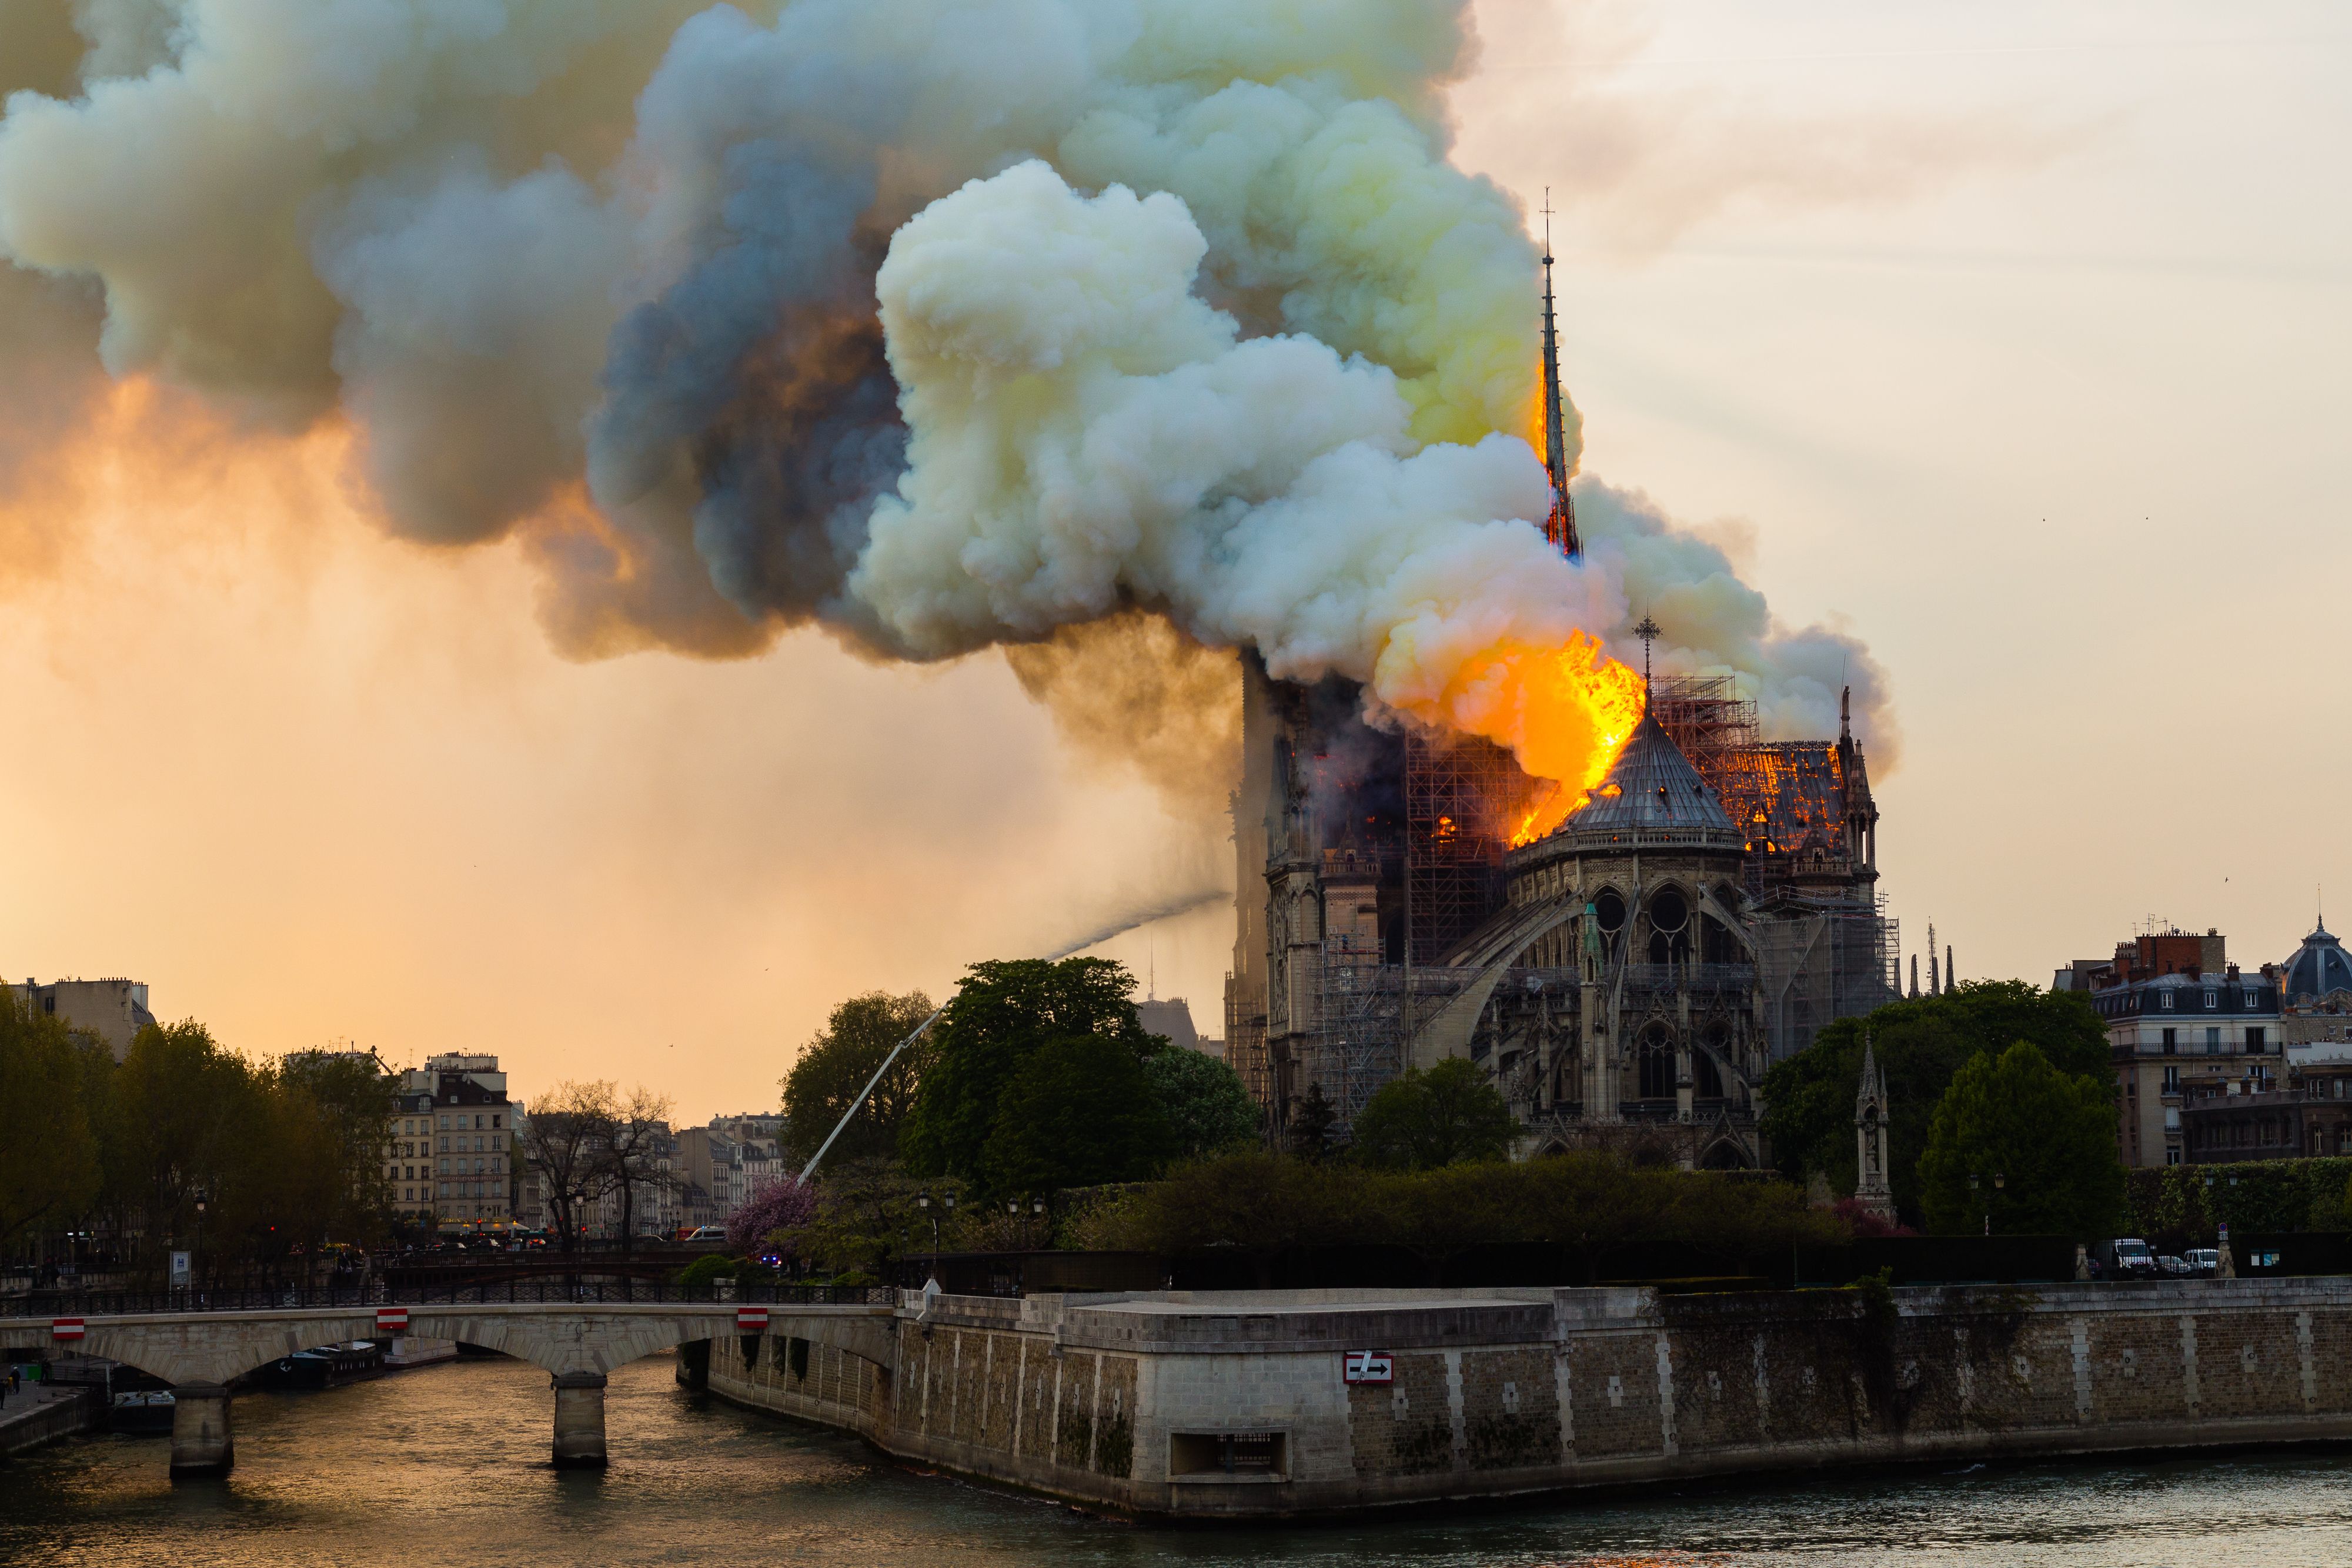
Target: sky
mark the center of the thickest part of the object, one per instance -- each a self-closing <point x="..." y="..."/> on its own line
<point x="2007" y="336"/>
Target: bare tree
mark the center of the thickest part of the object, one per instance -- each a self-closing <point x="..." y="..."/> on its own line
<point x="633" y="1154"/>
<point x="567" y="1137"/>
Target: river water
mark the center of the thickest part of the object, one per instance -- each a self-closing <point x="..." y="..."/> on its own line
<point x="448" y="1466"/>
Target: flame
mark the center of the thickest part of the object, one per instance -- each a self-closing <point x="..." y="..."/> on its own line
<point x="1565" y="711"/>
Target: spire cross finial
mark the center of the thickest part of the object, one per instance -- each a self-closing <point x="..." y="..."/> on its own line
<point x="1547" y="218"/>
<point x="1648" y="631"/>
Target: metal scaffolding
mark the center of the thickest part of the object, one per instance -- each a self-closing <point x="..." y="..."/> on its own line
<point x="1820" y="960"/>
<point x="1463" y="797"/>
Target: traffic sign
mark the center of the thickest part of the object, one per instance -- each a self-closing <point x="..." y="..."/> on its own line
<point x="65" y="1328"/>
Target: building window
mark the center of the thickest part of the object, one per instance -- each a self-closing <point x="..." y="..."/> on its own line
<point x="2254" y="1000"/>
<point x="2255" y="1039"/>
<point x="2212" y="1042"/>
<point x="2166" y="1001"/>
<point x="2173" y="1081"/>
<point x="2172" y="1156"/>
<point x="2212" y="999"/>
<point x="2172" y="1040"/>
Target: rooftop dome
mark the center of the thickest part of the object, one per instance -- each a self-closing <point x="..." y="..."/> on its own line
<point x="2318" y="966"/>
<point x="1652" y="788"/>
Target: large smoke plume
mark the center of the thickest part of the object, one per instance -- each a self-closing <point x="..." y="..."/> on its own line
<point x="939" y="324"/>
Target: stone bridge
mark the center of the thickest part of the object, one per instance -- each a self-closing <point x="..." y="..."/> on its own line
<point x="201" y="1353"/>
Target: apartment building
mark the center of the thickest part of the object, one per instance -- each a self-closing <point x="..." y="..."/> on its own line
<point x="450" y="1151"/>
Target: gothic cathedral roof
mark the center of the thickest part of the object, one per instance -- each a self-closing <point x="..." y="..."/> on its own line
<point x="1652" y="788"/>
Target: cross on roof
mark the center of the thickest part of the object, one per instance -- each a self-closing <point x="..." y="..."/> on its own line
<point x="1648" y="631"/>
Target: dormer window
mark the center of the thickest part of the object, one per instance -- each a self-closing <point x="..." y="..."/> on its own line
<point x="2212" y="999"/>
<point x="2167" y="1000"/>
<point x="2253" y="999"/>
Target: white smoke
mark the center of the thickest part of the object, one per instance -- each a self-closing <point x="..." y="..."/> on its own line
<point x="936" y="324"/>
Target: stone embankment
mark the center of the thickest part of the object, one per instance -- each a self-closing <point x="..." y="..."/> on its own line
<point x="36" y="1414"/>
<point x="1302" y="1402"/>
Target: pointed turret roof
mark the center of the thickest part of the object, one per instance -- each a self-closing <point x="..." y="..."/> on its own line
<point x="1652" y="788"/>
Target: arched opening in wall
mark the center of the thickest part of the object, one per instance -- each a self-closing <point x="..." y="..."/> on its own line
<point x="1609" y="908"/>
<point x="1670" y="914"/>
<point x="1724" y="1155"/>
<point x="1706" y="1081"/>
<point x="1655" y="1058"/>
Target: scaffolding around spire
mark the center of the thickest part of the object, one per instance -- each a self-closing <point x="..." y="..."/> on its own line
<point x="1559" y="526"/>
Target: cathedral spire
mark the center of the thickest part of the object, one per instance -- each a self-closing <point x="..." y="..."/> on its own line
<point x="1559" y="528"/>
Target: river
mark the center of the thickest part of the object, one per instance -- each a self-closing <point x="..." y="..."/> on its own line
<point x="447" y="1466"/>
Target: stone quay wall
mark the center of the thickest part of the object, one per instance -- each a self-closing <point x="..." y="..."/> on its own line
<point x="1136" y="1404"/>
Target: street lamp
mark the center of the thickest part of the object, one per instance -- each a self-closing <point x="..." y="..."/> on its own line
<point x="195" y="1263"/>
<point x="1999" y="1181"/>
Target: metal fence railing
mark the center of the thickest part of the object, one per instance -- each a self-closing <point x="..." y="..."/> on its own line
<point x="538" y="1292"/>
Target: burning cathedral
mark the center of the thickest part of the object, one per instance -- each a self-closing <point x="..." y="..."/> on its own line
<point x="1625" y="977"/>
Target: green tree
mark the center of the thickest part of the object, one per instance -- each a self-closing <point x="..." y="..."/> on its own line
<point x="1921" y="1043"/>
<point x="1080" y="1113"/>
<point x="49" y="1160"/>
<point x="1419" y="1121"/>
<point x="186" y="1117"/>
<point x="867" y="1216"/>
<point x="837" y="1063"/>
<point x="1206" y="1108"/>
<point x="2051" y="1135"/>
<point x="1006" y="1012"/>
<point x="1311" y="1121"/>
<point x="341" y="1103"/>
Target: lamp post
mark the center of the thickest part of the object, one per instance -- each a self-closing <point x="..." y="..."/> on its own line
<point x="1999" y="1181"/>
<point x="947" y="1204"/>
<point x="196" y="1264"/>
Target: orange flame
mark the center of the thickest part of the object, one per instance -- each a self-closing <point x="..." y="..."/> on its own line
<point x="1566" y="712"/>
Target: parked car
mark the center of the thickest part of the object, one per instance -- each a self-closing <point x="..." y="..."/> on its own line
<point x="2205" y="1262"/>
<point x="2129" y="1258"/>
<point x="2178" y="1267"/>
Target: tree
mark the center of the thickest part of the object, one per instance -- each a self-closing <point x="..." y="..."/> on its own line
<point x="773" y="1205"/>
<point x="2049" y="1133"/>
<point x="1419" y="1121"/>
<point x="563" y="1138"/>
<point x="866" y="1218"/>
<point x="634" y="1143"/>
<point x="338" y="1104"/>
<point x="1006" y="1012"/>
<point x="1310" y="1124"/>
<point x="1080" y="1113"/>
<point x="186" y="1117"/>
<point x="836" y="1065"/>
<point x="1921" y="1042"/>
<point x="49" y="1161"/>
<point x="1202" y="1102"/>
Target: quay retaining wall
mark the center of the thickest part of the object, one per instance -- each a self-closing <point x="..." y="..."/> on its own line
<point x="1138" y="1403"/>
<point x="35" y="1415"/>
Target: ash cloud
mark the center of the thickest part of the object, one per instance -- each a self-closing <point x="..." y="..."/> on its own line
<point x="941" y="326"/>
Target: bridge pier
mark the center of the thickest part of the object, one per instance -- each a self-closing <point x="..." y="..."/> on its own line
<point x="200" y="1440"/>
<point x="579" y="1420"/>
